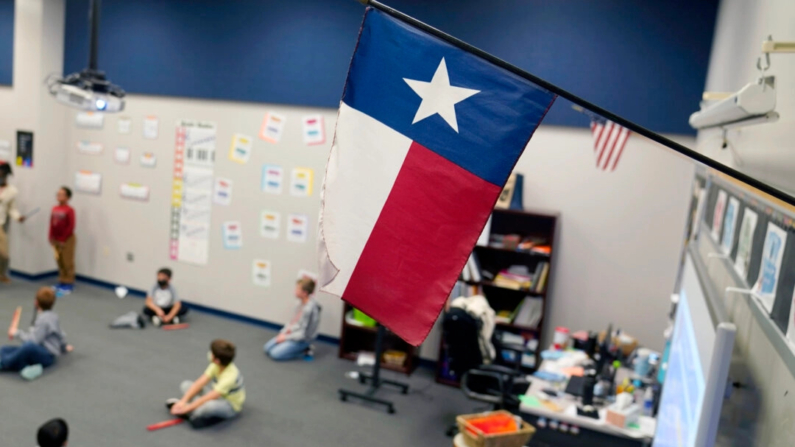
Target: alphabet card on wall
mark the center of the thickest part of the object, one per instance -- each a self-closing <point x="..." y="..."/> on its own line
<point x="270" y="223"/>
<point x="148" y="160"/>
<point x="232" y="235"/>
<point x="240" y="150"/>
<point x="88" y="182"/>
<point x="89" y="148"/>
<point x="134" y="191"/>
<point x="122" y="155"/>
<point x="272" y="127"/>
<point x="151" y="125"/>
<point x="314" y="130"/>
<point x="745" y="243"/>
<point x="297" y="227"/>
<point x="772" y="254"/>
<point x="90" y="120"/>
<point x="261" y="273"/>
<point x="717" y="216"/>
<point x="124" y="125"/>
<point x="272" y="179"/>
<point x="301" y="182"/>
<point x="222" y="193"/>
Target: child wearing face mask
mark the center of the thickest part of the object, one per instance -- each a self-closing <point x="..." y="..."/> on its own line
<point x="162" y="304"/>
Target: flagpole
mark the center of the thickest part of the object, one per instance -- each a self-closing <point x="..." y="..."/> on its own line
<point x="775" y="192"/>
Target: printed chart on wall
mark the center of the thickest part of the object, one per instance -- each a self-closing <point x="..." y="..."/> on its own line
<point x="770" y="267"/>
<point x="192" y="192"/>
<point x="791" y="325"/>
<point x="717" y="216"/>
<point x="746" y="242"/>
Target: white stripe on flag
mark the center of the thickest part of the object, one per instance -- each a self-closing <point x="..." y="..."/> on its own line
<point x="351" y="204"/>
<point x="608" y="146"/>
<point x="620" y="147"/>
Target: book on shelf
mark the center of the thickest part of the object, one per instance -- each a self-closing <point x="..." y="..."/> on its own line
<point x="542" y="279"/>
<point x="529" y="312"/>
<point x="516" y="277"/>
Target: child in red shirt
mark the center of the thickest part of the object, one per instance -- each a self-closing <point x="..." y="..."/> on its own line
<point x="62" y="238"/>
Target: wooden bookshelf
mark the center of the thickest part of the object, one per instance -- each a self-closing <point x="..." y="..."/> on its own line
<point x="526" y="224"/>
<point x="356" y="339"/>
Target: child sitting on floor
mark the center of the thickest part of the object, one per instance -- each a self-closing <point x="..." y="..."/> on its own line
<point x="223" y="400"/>
<point x="41" y="344"/>
<point x="162" y="304"/>
<point x="295" y="339"/>
<point x="54" y="433"/>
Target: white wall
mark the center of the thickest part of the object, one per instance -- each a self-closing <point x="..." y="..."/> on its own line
<point x="38" y="51"/>
<point x="764" y="151"/>
<point x="621" y="233"/>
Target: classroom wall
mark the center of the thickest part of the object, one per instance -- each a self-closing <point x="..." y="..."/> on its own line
<point x="762" y="151"/>
<point x="621" y="233"/>
<point x="645" y="60"/>
<point x="38" y="51"/>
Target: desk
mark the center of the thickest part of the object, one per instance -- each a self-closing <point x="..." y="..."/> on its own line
<point x="592" y="432"/>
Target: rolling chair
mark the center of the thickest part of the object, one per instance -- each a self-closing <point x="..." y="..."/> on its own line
<point x="496" y="385"/>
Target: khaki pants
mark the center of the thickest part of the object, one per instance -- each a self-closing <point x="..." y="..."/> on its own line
<point x="3" y="254"/>
<point x="65" y="256"/>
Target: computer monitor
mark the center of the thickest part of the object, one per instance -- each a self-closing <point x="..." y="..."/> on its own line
<point x="698" y="368"/>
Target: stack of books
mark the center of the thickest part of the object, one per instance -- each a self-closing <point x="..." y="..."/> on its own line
<point x="516" y="279"/>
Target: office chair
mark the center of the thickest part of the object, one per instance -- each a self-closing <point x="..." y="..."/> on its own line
<point x="495" y="385"/>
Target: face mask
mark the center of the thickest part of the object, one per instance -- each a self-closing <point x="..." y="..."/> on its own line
<point x="210" y="356"/>
<point x="162" y="283"/>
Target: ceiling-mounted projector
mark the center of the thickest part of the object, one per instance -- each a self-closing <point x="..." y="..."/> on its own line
<point x="753" y="104"/>
<point x="88" y="89"/>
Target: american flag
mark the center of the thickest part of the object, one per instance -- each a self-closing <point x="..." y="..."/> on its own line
<point x="609" y="140"/>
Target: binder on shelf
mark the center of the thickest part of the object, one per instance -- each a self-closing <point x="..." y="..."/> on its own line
<point x="542" y="280"/>
<point x="530" y="311"/>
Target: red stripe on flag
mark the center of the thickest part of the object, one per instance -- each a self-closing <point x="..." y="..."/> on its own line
<point x="621" y="148"/>
<point x="599" y="128"/>
<point x="603" y="144"/>
<point x="420" y="243"/>
<point x="617" y="135"/>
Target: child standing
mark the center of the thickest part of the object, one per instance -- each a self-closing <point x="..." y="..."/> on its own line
<point x="223" y="400"/>
<point x="41" y="344"/>
<point x="162" y="305"/>
<point x="54" y="433"/>
<point x="8" y="208"/>
<point x="62" y="239"/>
<point x="295" y="339"/>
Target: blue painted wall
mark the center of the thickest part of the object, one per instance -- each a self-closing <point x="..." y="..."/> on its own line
<point x="645" y="60"/>
<point x="6" y="42"/>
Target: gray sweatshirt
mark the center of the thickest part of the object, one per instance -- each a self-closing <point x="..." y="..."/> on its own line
<point x="305" y="327"/>
<point x="46" y="331"/>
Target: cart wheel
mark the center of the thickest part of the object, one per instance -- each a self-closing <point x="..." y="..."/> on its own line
<point x="405" y="391"/>
<point x="391" y="410"/>
<point x="343" y="398"/>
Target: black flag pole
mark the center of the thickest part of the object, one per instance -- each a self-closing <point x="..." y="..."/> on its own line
<point x="638" y="129"/>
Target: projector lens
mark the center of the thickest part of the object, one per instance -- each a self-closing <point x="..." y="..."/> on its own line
<point x="101" y="104"/>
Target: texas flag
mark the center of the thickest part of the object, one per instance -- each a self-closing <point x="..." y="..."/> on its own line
<point x="426" y="137"/>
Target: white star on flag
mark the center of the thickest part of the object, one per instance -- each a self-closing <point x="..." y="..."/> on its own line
<point x="438" y="96"/>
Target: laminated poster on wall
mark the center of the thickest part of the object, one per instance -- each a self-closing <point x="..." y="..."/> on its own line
<point x="261" y="273"/>
<point x="297" y="227"/>
<point x="24" y="149"/>
<point x="301" y="182"/>
<point x="134" y="191"/>
<point x="148" y="160"/>
<point x="240" y="149"/>
<point x="89" y="148"/>
<point x="5" y="151"/>
<point x="150" y="127"/>
<point x="772" y="254"/>
<point x="270" y="223"/>
<point x="729" y="224"/>
<point x="222" y="193"/>
<point x="272" y="179"/>
<point x="272" y="127"/>
<point x="124" y="125"/>
<point x="88" y="182"/>
<point x="717" y="216"/>
<point x="90" y="120"/>
<point x="791" y="324"/>
<point x="232" y="235"/>
<point x="122" y="155"/>
<point x="746" y="242"/>
<point x="314" y="130"/>
<point x="192" y="191"/>
<point x="702" y="199"/>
